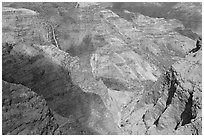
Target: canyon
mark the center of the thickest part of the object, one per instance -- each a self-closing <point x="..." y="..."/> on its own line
<point x="93" y="69"/>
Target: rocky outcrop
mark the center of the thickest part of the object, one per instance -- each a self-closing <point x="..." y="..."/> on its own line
<point x="24" y="112"/>
<point x="189" y="75"/>
<point x="174" y="105"/>
<point x="111" y="76"/>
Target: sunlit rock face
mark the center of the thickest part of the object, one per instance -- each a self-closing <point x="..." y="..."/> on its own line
<point x="152" y="38"/>
<point x="189" y="75"/>
<point x="179" y="108"/>
<point x="112" y="73"/>
<point x="136" y="55"/>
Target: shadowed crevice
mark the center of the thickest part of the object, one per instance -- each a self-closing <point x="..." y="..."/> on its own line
<point x="186" y="116"/>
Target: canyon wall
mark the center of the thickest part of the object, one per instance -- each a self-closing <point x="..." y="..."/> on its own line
<point x="109" y="75"/>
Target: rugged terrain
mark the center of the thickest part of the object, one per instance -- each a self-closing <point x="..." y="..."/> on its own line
<point x="95" y="70"/>
<point x="188" y="13"/>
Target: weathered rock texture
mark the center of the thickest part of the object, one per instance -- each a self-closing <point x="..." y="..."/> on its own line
<point x="111" y="73"/>
<point x="25" y="112"/>
<point x="174" y="105"/>
<point x="46" y="70"/>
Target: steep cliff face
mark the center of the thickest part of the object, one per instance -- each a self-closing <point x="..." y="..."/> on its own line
<point x="111" y="75"/>
<point x="174" y="104"/>
<point x="189" y="74"/>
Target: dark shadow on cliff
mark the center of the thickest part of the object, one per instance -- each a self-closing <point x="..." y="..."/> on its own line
<point x="54" y="83"/>
<point x="186" y="116"/>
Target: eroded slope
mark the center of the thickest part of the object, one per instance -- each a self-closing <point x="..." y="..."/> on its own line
<point x="111" y="79"/>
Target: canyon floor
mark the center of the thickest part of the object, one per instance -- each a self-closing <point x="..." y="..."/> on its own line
<point x="101" y="68"/>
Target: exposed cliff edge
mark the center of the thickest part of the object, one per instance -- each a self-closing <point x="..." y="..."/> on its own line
<point x="108" y="75"/>
<point x="174" y="104"/>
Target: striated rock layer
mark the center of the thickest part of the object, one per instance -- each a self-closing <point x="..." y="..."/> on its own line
<point x="109" y="74"/>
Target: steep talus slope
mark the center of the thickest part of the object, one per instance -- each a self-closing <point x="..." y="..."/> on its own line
<point x="24" y="112"/>
<point x="112" y="78"/>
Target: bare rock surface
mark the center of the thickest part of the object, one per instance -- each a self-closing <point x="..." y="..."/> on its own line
<point x="105" y="72"/>
<point x="24" y="112"/>
<point x="174" y="104"/>
<point x="46" y="70"/>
